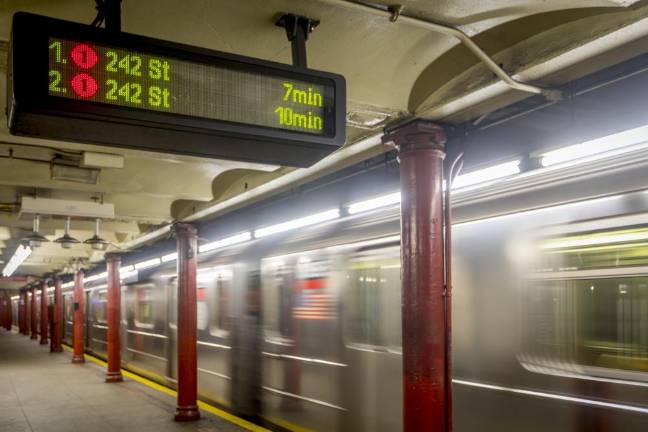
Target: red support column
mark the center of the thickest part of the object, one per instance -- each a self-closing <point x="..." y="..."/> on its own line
<point x="421" y="146"/>
<point x="187" y="409"/>
<point x="44" y="314"/>
<point x="113" y="262"/>
<point x="9" y="312"/>
<point x="21" y="312"/>
<point x="78" y="345"/>
<point x="25" y="320"/>
<point x="34" y="319"/>
<point x="3" y="310"/>
<point x="57" y="319"/>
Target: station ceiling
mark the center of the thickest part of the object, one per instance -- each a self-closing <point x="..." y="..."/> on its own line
<point x="393" y="70"/>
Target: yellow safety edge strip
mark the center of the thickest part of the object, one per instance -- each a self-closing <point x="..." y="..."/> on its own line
<point x="202" y="405"/>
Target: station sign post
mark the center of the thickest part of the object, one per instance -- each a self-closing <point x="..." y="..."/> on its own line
<point x="76" y="82"/>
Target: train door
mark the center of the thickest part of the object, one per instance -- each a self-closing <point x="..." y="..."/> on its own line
<point x="246" y="346"/>
<point x="172" y="327"/>
<point x="88" y="319"/>
<point x="302" y="350"/>
<point x="38" y="312"/>
<point x="214" y="298"/>
<point x="14" y="312"/>
<point x="67" y="318"/>
<point x="372" y="340"/>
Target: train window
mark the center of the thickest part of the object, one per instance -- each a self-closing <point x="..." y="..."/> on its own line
<point x="100" y="307"/>
<point x="144" y="306"/>
<point x="313" y="299"/>
<point x="219" y="325"/>
<point x="202" y="316"/>
<point x="373" y="298"/>
<point x="67" y="301"/>
<point x="278" y="284"/>
<point x="598" y="249"/>
<point x="595" y="323"/>
<point x="586" y="303"/>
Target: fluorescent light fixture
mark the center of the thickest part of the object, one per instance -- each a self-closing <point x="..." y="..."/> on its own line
<point x="15" y="297"/>
<point x="298" y="223"/>
<point x="96" y="242"/>
<point x="610" y="145"/>
<point x="126" y="269"/>
<point x="169" y="257"/>
<point x="126" y="275"/>
<point x="494" y="172"/>
<point x="228" y="241"/>
<point x="68" y="284"/>
<point x="96" y="277"/>
<point x="148" y="263"/>
<point x="35" y="239"/>
<point x="374" y="203"/>
<point x="71" y="173"/>
<point x="67" y="241"/>
<point x="19" y="256"/>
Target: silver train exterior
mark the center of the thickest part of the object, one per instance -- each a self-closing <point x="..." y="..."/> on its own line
<point x="550" y="313"/>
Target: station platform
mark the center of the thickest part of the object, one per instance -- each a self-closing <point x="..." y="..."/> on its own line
<point x="44" y="392"/>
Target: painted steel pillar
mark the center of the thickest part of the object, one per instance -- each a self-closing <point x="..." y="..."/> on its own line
<point x="27" y="313"/>
<point x="44" y="315"/>
<point x="9" y="317"/>
<point x="113" y="262"/>
<point x="57" y="320"/>
<point x="25" y="319"/>
<point x="77" y="318"/>
<point x="3" y="310"/>
<point x="421" y="147"/>
<point x="34" y="319"/>
<point x="22" y="308"/>
<point x="187" y="242"/>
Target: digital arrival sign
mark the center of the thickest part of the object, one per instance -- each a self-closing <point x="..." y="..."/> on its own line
<point x="80" y="83"/>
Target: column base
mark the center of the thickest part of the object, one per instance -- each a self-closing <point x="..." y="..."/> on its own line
<point x="187" y="413"/>
<point x="44" y="342"/>
<point x="56" y="349"/>
<point x="113" y="377"/>
<point x="33" y="336"/>
<point x="78" y="359"/>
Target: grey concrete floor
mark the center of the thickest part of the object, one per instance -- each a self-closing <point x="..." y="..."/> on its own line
<point x="43" y="392"/>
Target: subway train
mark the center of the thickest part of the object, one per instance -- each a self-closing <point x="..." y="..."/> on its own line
<point x="302" y="329"/>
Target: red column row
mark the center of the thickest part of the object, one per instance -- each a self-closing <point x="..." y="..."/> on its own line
<point x="34" y="318"/>
<point x="187" y="239"/>
<point x="5" y="311"/>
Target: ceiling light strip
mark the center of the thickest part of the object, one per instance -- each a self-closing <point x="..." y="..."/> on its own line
<point x="19" y="256"/>
<point x="228" y="241"/>
<point x="610" y="145"/>
<point x="298" y="223"/>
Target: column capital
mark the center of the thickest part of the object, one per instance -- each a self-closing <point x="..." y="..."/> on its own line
<point x="416" y="133"/>
<point x="181" y="229"/>
<point x="113" y="256"/>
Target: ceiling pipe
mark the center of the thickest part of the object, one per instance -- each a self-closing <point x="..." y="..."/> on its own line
<point x="394" y="14"/>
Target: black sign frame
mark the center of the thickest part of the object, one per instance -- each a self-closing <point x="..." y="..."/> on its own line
<point x="32" y="111"/>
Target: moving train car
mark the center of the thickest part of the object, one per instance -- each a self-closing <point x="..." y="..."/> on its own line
<point x="302" y="329"/>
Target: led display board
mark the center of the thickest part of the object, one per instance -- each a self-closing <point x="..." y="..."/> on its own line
<point x="80" y="83"/>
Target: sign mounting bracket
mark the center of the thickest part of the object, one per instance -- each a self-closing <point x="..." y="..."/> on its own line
<point x="298" y="28"/>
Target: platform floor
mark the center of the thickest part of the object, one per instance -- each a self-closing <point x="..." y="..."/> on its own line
<point x="45" y="392"/>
